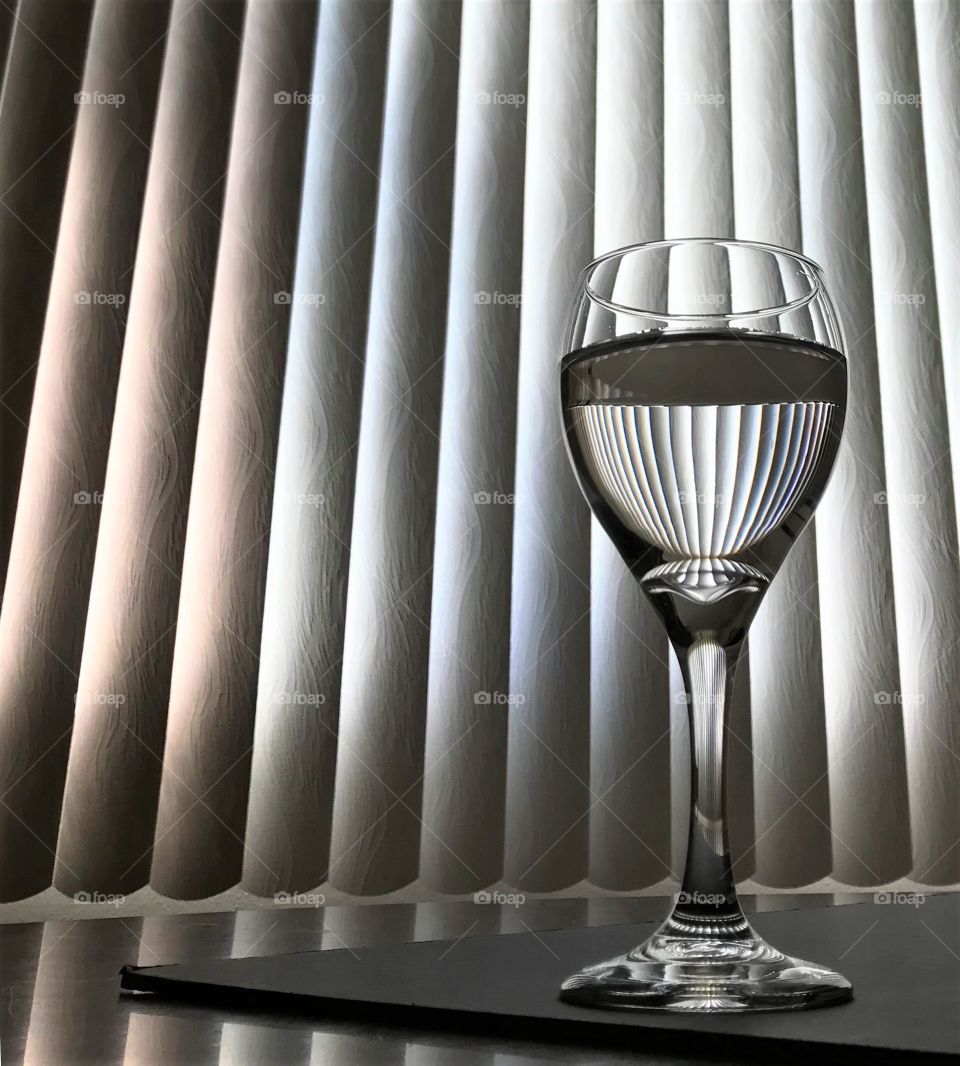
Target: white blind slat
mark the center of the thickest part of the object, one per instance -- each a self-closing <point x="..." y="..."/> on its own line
<point x="298" y="690"/>
<point x="377" y="806"/>
<point x="629" y="664"/>
<point x="791" y="794"/>
<point x="868" y="801"/>
<point x="466" y="743"/>
<point x="919" y="499"/>
<point x="548" y="761"/>
<point x="698" y="202"/>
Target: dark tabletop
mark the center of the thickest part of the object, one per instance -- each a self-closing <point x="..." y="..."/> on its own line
<point x="60" y="1001"/>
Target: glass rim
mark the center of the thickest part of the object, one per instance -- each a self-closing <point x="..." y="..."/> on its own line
<point x="732" y="242"/>
<point x="815" y="277"/>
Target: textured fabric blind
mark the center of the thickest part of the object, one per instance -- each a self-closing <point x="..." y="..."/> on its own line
<point x="299" y="591"/>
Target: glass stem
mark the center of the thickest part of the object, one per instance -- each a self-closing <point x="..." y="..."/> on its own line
<point x="707" y="905"/>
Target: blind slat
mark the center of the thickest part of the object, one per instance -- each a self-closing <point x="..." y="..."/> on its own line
<point x="116" y="751"/>
<point x="919" y="483"/>
<point x="203" y="790"/>
<point x="791" y="795"/>
<point x="629" y="664"/>
<point x="466" y="741"/>
<point x="295" y="746"/>
<point x="939" y="21"/>
<point x="52" y="551"/>
<point x="43" y="46"/>
<point x="548" y="754"/>
<point x="698" y="181"/>
<point x="867" y="778"/>
<point x="377" y="807"/>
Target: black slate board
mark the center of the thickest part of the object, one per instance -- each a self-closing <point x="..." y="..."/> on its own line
<point x="904" y="962"/>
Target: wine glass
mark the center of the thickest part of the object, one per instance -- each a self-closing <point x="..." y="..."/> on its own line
<point x="703" y="387"/>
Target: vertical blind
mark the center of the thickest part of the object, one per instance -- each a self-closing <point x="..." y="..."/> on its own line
<point x="299" y="588"/>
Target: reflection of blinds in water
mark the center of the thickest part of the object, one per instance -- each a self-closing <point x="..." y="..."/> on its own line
<point x="706" y="480"/>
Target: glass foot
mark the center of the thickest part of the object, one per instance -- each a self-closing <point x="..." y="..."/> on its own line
<point x="700" y="974"/>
